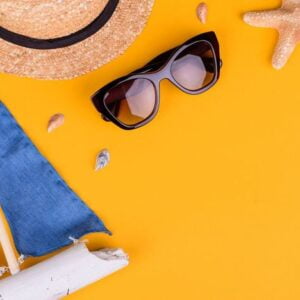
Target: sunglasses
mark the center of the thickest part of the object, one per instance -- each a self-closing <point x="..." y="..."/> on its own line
<point x="132" y="101"/>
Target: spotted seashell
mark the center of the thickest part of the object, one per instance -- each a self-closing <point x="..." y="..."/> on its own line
<point x="55" y="121"/>
<point x="202" y="11"/>
<point x="103" y="158"/>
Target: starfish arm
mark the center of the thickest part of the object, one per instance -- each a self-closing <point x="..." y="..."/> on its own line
<point x="269" y="18"/>
<point x="285" y="47"/>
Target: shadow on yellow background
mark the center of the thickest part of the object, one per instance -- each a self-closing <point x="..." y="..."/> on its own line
<point x="205" y="199"/>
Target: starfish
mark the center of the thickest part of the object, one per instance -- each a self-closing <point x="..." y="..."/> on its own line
<point x="286" y="20"/>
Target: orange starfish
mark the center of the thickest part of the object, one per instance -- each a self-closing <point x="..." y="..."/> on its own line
<point x="286" y="20"/>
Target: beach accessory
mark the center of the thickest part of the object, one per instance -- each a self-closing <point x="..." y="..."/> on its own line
<point x="133" y="100"/>
<point x="44" y="214"/>
<point x="102" y="160"/>
<point x="202" y="11"/>
<point x="55" y="39"/>
<point x="286" y="20"/>
<point x="55" y="121"/>
<point x="62" y="274"/>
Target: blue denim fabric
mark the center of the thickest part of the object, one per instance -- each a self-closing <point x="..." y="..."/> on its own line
<point x="42" y="211"/>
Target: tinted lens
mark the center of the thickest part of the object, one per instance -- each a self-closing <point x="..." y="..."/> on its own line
<point x="132" y="101"/>
<point x="195" y="67"/>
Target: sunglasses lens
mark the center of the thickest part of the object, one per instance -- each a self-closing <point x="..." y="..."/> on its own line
<point x="132" y="101"/>
<point x="195" y="67"/>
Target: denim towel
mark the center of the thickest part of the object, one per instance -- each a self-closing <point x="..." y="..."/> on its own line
<point x="42" y="211"/>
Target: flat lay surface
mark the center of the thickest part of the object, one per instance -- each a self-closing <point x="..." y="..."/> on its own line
<point x="205" y="198"/>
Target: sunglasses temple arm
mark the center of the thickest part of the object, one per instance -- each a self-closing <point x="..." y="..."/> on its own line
<point x="115" y="109"/>
<point x="220" y="62"/>
<point x="155" y="65"/>
<point x="105" y="118"/>
<point x="156" y="62"/>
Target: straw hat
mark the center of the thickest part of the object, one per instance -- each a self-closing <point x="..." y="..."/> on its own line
<point x="60" y="39"/>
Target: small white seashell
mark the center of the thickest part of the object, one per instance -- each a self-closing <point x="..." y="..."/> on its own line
<point x="55" y="121"/>
<point x="202" y="11"/>
<point x="103" y="158"/>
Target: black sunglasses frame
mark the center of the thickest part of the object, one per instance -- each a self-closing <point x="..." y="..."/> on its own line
<point x="155" y="71"/>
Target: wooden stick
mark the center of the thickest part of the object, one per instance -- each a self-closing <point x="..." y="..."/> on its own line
<point x="8" y="250"/>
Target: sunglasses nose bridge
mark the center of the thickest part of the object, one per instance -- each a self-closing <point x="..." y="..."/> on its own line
<point x="161" y="75"/>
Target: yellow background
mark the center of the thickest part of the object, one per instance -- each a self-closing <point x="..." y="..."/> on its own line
<point x="205" y="199"/>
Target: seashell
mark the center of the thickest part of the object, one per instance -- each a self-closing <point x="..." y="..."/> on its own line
<point x="55" y="121"/>
<point x="202" y="11"/>
<point x="103" y="158"/>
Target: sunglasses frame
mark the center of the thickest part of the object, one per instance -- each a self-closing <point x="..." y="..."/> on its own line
<point x="155" y="71"/>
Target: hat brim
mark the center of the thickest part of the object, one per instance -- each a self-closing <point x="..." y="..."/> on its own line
<point x="108" y="43"/>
